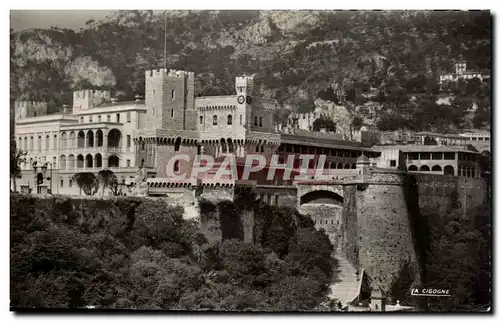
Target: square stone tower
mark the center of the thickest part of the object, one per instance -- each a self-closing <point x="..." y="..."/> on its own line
<point x="170" y="100"/>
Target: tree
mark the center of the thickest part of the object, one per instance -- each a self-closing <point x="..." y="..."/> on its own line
<point x="357" y="122"/>
<point x="17" y="157"/>
<point x="87" y="182"/>
<point x="109" y="179"/>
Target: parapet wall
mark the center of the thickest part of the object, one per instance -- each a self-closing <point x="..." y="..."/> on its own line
<point x="437" y="192"/>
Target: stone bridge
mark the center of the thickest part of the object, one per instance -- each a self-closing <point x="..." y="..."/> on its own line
<point x="316" y="192"/>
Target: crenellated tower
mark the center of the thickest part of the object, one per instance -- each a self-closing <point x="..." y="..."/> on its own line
<point x="87" y="99"/>
<point x="170" y="100"/>
<point x="25" y="109"/>
<point x="244" y="90"/>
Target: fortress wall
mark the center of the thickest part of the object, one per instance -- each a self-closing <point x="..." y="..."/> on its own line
<point x="384" y="229"/>
<point x="436" y="192"/>
<point x="349" y="240"/>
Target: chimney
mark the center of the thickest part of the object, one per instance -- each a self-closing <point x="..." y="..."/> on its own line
<point x="138" y="98"/>
<point x="65" y="109"/>
<point x="113" y="100"/>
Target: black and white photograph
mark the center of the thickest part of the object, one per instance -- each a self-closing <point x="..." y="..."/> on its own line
<point x="327" y="161"/>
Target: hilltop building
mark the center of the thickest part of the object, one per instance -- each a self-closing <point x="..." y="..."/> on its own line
<point x="461" y="72"/>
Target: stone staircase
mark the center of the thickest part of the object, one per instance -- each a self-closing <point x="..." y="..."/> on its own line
<point x="345" y="285"/>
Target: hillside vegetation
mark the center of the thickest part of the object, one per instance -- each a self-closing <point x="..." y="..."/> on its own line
<point x="137" y="253"/>
<point x="295" y="56"/>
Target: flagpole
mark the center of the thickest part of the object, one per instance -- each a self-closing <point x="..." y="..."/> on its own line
<point x="165" y="42"/>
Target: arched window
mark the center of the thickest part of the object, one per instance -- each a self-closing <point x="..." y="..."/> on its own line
<point x="260" y="122"/>
<point x="39" y="142"/>
<point x="229" y="119"/>
<point x="215" y="120"/>
<point x="256" y="121"/>
<point x="436" y="168"/>
<point x="177" y="144"/>
<point x="413" y="168"/>
<point x="201" y="120"/>
<point x="176" y="166"/>
<point x="241" y="119"/>
<point x="47" y="142"/>
<point x="62" y="162"/>
<point x="449" y="170"/>
<point x="424" y="168"/>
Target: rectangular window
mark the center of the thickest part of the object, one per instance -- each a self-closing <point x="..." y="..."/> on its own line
<point x="241" y="119"/>
<point x="413" y="156"/>
<point x="449" y="156"/>
<point x="108" y="118"/>
<point x="128" y="162"/>
<point x="172" y="113"/>
<point x="70" y="182"/>
<point x="425" y="155"/>
<point x="393" y="163"/>
<point x="54" y="163"/>
<point x="173" y="94"/>
<point x="128" y="117"/>
<point x="201" y="120"/>
<point x="117" y="118"/>
<point x="128" y="140"/>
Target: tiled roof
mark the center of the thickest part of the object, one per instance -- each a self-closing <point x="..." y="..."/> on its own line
<point x="425" y="148"/>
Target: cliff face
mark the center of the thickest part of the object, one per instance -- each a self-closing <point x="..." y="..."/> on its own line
<point x="293" y="54"/>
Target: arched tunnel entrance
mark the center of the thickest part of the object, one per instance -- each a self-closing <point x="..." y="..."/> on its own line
<point x="325" y="209"/>
<point x="322" y="197"/>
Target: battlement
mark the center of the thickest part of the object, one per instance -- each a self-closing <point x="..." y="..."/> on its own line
<point x="25" y="109"/>
<point x="169" y="73"/>
<point x="89" y="93"/>
<point x="87" y="99"/>
<point x="244" y="81"/>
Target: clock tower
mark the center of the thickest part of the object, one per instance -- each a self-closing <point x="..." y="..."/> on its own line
<point x="244" y="91"/>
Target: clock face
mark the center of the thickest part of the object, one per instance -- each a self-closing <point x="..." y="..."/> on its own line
<point x="249" y="100"/>
<point x="241" y="99"/>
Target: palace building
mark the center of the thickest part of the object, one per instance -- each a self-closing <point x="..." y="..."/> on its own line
<point x="99" y="133"/>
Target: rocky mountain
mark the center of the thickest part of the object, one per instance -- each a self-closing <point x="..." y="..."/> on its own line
<point x="295" y="56"/>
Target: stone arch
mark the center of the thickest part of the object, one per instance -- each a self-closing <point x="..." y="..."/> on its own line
<point x="424" y="168"/>
<point x="436" y="168"/>
<point x="353" y="166"/>
<point x="177" y="144"/>
<point x="449" y="170"/>
<point x="80" y="143"/>
<point x="413" y="168"/>
<point x="230" y="145"/>
<point x="90" y="138"/>
<point x="71" y="161"/>
<point x="340" y="166"/>
<point x="99" y="138"/>
<point x="223" y="145"/>
<point x="79" y="161"/>
<point x="98" y="160"/>
<point x="64" y="140"/>
<point x="113" y="161"/>
<point x="89" y="161"/>
<point x="333" y="165"/>
<point x="321" y="197"/>
<point x="114" y="138"/>
<point x="62" y="162"/>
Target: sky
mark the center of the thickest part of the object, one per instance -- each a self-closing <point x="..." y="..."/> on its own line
<point x="73" y="19"/>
